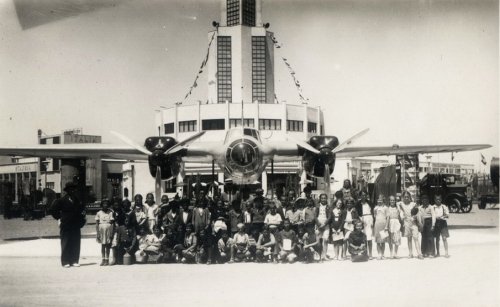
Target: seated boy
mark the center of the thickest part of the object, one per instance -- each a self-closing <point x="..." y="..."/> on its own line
<point x="186" y="251"/>
<point x="287" y="240"/>
<point x="240" y="249"/>
<point x="311" y="246"/>
<point x="266" y="246"/>
<point x="149" y="245"/>
<point x="168" y="243"/>
<point x="224" y="247"/>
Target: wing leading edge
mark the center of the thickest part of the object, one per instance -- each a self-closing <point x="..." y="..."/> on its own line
<point x="354" y="152"/>
<point x="105" y="151"/>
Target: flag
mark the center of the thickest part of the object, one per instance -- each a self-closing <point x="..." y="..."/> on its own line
<point x="483" y="159"/>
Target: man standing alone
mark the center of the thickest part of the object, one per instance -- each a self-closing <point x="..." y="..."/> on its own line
<point x="71" y="215"/>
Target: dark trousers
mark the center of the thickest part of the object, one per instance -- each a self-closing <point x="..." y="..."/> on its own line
<point x="70" y="245"/>
<point x="427" y="245"/>
<point x="257" y="227"/>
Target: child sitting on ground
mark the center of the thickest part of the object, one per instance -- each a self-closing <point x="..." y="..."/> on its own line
<point x="241" y="244"/>
<point x="224" y="247"/>
<point x="149" y="245"/>
<point x="168" y="243"/>
<point x="311" y="247"/>
<point x="266" y="247"/>
<point x="287" y="241"/>
<point x="186" y="251"/>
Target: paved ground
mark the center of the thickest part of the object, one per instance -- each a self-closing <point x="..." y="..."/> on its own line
<point x="30" y="275"/>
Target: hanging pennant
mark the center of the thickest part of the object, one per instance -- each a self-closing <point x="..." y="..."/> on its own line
<point x="200" y="71"/>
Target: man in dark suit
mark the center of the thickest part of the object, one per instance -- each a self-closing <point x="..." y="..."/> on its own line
<point x="70" y="212"/>
<point x="186" y="213"/>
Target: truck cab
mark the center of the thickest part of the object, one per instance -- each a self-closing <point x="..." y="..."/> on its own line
<point x="452" y="189"/>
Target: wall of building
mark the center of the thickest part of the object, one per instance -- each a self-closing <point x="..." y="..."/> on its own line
<point x="137" y="179"/>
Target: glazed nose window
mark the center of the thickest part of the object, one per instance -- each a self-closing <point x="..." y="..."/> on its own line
<point x="242" y="154"/>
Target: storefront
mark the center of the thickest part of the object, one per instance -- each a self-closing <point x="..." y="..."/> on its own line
<point x="23" y="177"/>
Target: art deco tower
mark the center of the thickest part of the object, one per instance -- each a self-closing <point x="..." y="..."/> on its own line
<point x="241" y="64"/>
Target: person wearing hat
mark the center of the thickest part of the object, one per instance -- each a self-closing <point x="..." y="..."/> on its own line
<point x="241" y="243"/>
<point x="70" y="212"/>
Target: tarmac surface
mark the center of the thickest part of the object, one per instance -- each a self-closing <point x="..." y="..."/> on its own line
<point x="31" y="275"/>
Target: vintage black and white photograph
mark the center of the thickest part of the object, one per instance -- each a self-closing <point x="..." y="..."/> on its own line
<point x="249" y="153"/>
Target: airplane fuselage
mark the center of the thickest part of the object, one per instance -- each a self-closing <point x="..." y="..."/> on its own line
<point x="243" y="159"/>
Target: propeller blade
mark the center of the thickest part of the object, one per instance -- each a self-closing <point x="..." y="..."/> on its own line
<point x="303" y="178"/>
<point x="349" y="141"/>
<point x="158" y="184"/>
<point x="180" y="145"/>
<point x="131" y="143"/>
<point x="327" y="181"/>
<point x="303" y="144"/>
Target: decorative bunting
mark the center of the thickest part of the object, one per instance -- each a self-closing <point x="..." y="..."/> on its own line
<point x="290" y="70"/>
<point x="200" y="71"/>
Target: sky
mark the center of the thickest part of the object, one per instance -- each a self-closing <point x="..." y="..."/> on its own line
<point x="414" y="72"/>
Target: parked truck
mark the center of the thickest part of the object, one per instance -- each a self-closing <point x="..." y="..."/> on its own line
<point x="487" y="190"/>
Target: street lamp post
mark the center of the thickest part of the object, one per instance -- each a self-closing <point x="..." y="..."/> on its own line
<point x="45" y="166"/>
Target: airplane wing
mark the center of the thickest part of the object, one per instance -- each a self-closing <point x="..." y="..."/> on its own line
<point x="105" y="151"/>
<point x="203" y="152"/>
<point x="353" y="152"/>
<point x="287" y="151"/>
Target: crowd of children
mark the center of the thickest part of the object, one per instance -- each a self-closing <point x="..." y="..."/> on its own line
<point x="287" y="229"/>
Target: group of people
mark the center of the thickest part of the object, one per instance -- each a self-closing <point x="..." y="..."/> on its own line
<point x="287" y="229"/>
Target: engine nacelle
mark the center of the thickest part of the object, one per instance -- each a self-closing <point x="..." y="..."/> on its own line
<point x="170" y="165"/>
<point x="314" y="164"/>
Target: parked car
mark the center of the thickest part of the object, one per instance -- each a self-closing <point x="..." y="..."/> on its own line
<point x="454" y="193"/>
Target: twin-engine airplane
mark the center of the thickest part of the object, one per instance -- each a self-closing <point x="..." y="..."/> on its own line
<point x="242" y="155"/>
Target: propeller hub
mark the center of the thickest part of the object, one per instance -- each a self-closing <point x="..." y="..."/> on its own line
<point x="326" y="156"/>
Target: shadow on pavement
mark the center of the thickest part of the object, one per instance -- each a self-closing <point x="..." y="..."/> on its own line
<point x="84" y="236"/>
<point x="470" y="227"/>
<point x="87" y="264"/>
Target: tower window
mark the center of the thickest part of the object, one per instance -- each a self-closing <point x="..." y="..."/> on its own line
<point x="249" y="13"/>
<point x="233" y="12"/>
<point x="224" y="69"/>
<point x="259" y="69"/>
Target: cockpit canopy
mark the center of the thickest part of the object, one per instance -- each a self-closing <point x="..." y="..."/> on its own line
<point x="235" y="133"/>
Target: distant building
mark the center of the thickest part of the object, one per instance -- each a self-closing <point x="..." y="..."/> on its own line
<point x="26" y="175"/>
<point x="240" y="78"/>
